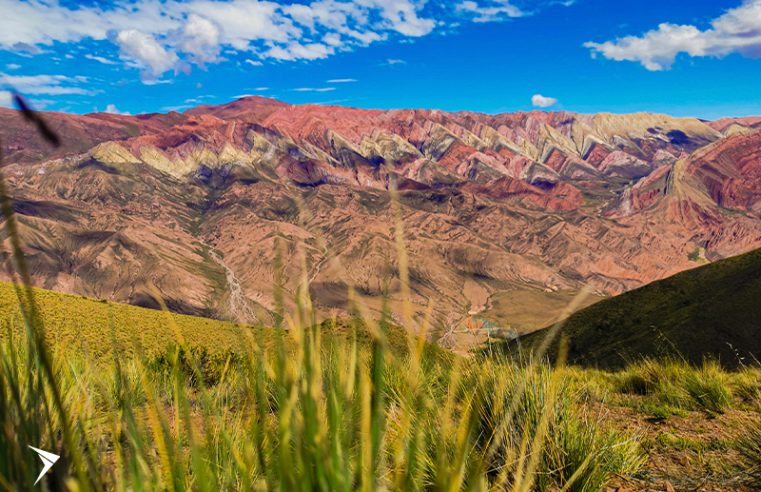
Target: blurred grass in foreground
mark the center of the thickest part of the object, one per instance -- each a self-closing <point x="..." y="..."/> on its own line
<point x="316" y="410"/>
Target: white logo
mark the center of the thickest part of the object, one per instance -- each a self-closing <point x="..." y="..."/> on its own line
<point x="48" y="460"/>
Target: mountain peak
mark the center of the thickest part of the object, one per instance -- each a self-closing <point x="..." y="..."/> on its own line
<point x="249" y="108"/>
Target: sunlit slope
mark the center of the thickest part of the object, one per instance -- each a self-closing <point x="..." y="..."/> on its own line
<point x="94" y="327"/>
<point x="87" y="324"/>
<point x="714" y="310"/>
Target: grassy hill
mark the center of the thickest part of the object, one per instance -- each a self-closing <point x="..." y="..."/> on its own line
<point x="90" y="327"/>
<point x="87" y="324"/>
<point x="714" y="310"/>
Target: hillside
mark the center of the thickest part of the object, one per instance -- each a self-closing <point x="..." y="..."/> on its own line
<point x="86" y="325"/>
<point x="713" y="311"/>
<point x="494" y="208"/>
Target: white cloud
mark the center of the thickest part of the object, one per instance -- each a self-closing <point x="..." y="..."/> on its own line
<point x="395" y="61"/>
<point x="159" y="36"/>
<point x="494" y="10"/>
<point x="179" y="107"/>
<point x="143" y="51"/>
<point x="402" y="16"/>
<point x="323" y="103"/>
<point x="254" y="63"/>
<point x="341" y="81"/>
<point x="153" y="81"/>
<point x="112" y="109"/>
<point x="44" y="84"/>
<point x="100" y="59"/>
<point x="314" y="89"/>
<point x="332" y="39"/>
<point x="6" y="99"/>
<point x="262" y="89"/>
<point x="199" y="99"/>
<point x="12" y="66"/>
<point x="297" y="51"/>
<point x="736" y="31"/>
<point x="200" y="39"/>
<point x="245" y="21"/>
<point x="541" y="101"/>
<point x="34" y="23"/>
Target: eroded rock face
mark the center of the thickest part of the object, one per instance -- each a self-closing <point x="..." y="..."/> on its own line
<point x="730" y="171"/>
<point x="545" y="201"/>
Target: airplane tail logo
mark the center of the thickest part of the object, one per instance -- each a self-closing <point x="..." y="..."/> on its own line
<point x="48" y="460"/>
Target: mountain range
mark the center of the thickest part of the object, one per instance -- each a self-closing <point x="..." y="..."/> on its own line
<point x="504" y="216"/>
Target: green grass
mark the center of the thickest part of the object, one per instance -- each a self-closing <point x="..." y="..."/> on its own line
<point x="86" y="325"/>
<point x="750" y="448"/>
<point x="662" y="388"/>
<point x="671" y="441"/>
<point x="309" y="409"/>
<point x="673" y="386"/>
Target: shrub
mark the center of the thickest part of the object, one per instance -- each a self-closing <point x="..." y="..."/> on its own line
<point x="534" y="407"/>
<point x="674" y="385"/>
<point x="708" y="387"/>
<point x="746" y="385"/>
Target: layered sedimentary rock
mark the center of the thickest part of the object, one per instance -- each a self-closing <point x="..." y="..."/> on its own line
<point x="200" y="204"/>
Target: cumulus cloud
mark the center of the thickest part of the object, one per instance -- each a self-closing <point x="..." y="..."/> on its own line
<point x="244" y="22"/>
<point x="199" y="28"/>
<point x="254" y="63"/>
<point x="112" y="109"/>
<point x="33" y="23"/>
<point x="402" y="16"/>
<point x="159" y="36"/>
<point x="143" y="51"/>
<point x="541" y="101"/>
<point x="736" y="31"/>
<point x="200" y="39"/>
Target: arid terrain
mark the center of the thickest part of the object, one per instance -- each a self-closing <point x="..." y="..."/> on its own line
<point x="505" y="217"/>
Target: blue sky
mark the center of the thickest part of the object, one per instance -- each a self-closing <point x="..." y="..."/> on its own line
<point x="686" y="58"/>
